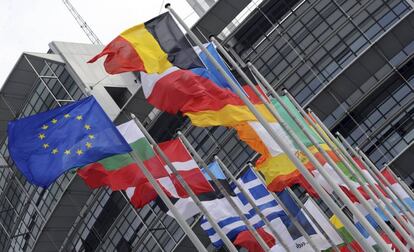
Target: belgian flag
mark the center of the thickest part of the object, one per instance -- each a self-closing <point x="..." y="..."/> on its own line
<point x="151" y="47"/>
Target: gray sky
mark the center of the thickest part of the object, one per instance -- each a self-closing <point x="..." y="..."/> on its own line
<point x="29" y="25"/>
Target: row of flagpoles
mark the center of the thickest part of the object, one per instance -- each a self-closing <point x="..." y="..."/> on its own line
<point x="356" y="183"/>
<point x="326" y="197"/>
<point x="337" y="211"/>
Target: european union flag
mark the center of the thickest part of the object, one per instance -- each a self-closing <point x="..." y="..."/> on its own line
<point x="45" y="145"/>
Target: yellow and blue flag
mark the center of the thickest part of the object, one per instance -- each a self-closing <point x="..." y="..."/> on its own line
<point x="47" y="144"/>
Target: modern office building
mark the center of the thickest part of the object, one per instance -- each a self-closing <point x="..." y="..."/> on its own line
<point x="350" y="61"/>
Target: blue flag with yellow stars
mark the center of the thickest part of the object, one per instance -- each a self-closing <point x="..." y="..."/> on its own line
<point x="47" y="144"/>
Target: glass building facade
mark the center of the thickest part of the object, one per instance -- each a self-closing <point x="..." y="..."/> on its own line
<point x="347" y="60"/>
<point x="25" y="208"/>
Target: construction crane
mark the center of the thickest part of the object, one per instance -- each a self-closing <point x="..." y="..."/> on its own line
<point x="85" y="27"/>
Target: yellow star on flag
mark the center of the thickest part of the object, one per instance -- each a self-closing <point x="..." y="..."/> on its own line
<point x="67" y="152"/>
<point x="55" y="151"/>
<point x="88" y="145"/>
<point x="87" y="126"/>
<point x="66" y="115"/>
<point x="44" y="127"/>
<point x="79" y="152"/>
<point x="91" y="136"/>
<point x="41" y="136"/>
<point x="79" y="117"/>
<point x="54" y="121"/>
<point x="45" y="145"/>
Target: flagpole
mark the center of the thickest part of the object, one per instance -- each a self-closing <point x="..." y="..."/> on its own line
<point x="402" y="205"/>
<point x="258" y="211"/>
<point x="184" y="225"/>
<point x="140" y="218"/>
<point x="340" y="144"/>
<point x="375" y="235"/>
<point x="249" y="226"/>
<point x="302" y="206"/>
<point x="335" y="187"/>
<point x="280" y="202"/>
<point x="353" y="230"/>
<point x="390" y="211"/>
<point x="362" y="200"/>
<point x="187" y="188"/>
<point x="329" y="221"/>
<point x="308" y="176"/>
<point x="401" y="182"/>
<point x="388" y="188"/>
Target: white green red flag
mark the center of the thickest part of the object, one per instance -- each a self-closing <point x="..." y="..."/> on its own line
<point x="120" y="172"/>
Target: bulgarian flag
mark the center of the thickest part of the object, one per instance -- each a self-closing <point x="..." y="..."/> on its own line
<point x="120" y="172"/>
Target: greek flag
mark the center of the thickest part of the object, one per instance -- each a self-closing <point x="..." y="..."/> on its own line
<point x="228" y="219"/>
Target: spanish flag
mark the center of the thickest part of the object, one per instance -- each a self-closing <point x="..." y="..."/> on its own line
<point x="151" y="47"/>
<point x="279" y="171"/>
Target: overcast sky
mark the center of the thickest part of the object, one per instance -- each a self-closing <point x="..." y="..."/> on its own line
<point x="29" y="25"/>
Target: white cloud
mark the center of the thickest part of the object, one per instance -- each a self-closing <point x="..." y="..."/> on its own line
<point x="28" y="25"/>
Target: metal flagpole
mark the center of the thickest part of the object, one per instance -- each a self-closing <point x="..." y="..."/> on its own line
<point x="401" y="182"/>
<point x="302" y="206"/>
<point x="342" y="149"/>
<point x="378" y="219"/>
<point x="184" y="225"/>
<point x="330" y="223"/>
<point x="375" y="173"/>
<point x="256" y="209"/>
<point x="246" y="222"/>
<point x="375" y="235"/>
<point x="374" y="193"/>
<point x="387" y="188"/>
<point x="280" y="202"/>
<point x="342" y="176"/>
<point x="318" y="166"/>
<point x="187" y="188"/>
<point x="308" y="176"/>
<point x="303" y="148"/>
<point x="390" y="211"/>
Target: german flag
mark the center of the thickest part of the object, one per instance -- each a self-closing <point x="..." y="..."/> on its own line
<point x="151" y="47"/>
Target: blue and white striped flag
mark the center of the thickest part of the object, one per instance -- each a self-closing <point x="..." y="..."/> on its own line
<point x="228" y="219"/>
<point x="232" y="225"/>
